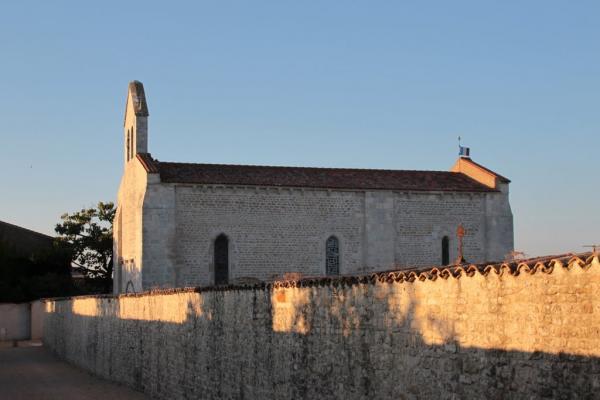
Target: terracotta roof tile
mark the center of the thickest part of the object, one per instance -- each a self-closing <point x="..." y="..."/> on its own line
<point x="545" y="265"/>
<point x="148" y="162"/>
<point x="500" y="177"/>
<point x="531" y="266"/>
<point x="330" y="178"/>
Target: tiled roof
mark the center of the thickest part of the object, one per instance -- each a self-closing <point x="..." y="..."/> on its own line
<point x="531" y="266"/>
<point x="330" y="178"/>
<point x="148" y="163"/>
<point x="500" y="177"/>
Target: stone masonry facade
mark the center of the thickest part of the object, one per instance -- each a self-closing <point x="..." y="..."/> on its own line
<point x="505" y="331"/>
<point x="276" y="231"/>
<point x="277" y="219"/>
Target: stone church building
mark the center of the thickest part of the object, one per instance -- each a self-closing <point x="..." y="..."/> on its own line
<point x="180" y="224"/>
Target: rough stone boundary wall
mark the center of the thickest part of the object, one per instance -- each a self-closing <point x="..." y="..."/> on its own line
<point x="506" y="331"/>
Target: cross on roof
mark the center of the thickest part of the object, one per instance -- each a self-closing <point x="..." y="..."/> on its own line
<point x="460" y="233"/>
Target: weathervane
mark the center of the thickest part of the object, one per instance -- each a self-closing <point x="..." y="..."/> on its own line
<point x="460" y="233"/>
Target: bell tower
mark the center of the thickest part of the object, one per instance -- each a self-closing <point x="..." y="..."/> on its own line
<point x="135" y="124"/>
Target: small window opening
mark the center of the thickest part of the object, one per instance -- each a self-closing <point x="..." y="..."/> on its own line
<point x="332" y="256"/>
<point x="445" y="250"/>
<point x="221" y="260"/>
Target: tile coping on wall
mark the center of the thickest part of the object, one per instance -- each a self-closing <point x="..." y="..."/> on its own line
<point x="544" y="264"/>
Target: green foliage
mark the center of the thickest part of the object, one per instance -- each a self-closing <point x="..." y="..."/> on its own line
<point x="88" y="235"/>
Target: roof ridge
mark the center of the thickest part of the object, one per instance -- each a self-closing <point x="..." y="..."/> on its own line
<point x="318" y="177"/>
<point x="304" y="167"/>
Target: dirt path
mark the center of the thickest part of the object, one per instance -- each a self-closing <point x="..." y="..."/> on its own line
<point x="33" y="373"/>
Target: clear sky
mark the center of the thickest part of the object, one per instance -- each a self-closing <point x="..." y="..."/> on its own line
<point x="311" y="83"/>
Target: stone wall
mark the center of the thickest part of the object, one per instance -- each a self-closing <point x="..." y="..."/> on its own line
<point x="273" y="231"/>
<point x="37" y="320"/>
<point x="22" y="321"/>
<point x="127" y="229"/>
<point x="422" y="220"/>
<point x="267" y="229"/>
<point x="504" y="331"/>
<point x="15" y="321"/>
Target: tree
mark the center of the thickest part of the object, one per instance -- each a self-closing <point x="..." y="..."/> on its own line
<point x="88" y="235"/>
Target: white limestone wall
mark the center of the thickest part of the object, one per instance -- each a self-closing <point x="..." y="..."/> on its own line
<point x="159" y="236"/>
<point x="423" y="219"/>
<point x="15" y="321"/>
<point x="127" y="229"/>
<point x="37" y="319"/>
<point x="271" y="231"/>
<point x="499" y="225"/>
<point x="275" y="231"/>
<point x="380" y="232"/>
<point x="471" y="336"/>
<point x="138" y="126"/>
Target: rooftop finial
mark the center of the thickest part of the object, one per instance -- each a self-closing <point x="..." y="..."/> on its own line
<point x="463" y="151"/>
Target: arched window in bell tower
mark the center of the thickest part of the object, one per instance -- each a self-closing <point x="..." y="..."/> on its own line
<point x="332" y="256"/>
<point x="131" y="143"/>
<point x="128" y="145"/>
<point x="445" y="250"/>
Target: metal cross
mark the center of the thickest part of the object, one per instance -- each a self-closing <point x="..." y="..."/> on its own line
<point x="460" y="233"/>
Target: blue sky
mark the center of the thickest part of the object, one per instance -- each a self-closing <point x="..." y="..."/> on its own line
<point x="348" y="84"/>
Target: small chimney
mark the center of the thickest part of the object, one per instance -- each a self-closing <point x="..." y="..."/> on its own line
<point x="463" y="152"/>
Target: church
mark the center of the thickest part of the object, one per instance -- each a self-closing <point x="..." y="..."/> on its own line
<point x="181" y="224"/>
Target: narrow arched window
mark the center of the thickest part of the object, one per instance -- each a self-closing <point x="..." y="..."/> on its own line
<point x="132" y="152"/>
<point x="445" y="250"/>
<point x="128" y="145"/>
<point x="221" y="260"/>
<point x="332" y="256"/>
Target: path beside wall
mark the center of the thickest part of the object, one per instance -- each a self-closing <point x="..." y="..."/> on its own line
<point x="529" y="331"/>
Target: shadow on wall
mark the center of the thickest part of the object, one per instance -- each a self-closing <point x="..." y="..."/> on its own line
<point x="432" y="339"/>
<point x="129" y="278"/>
